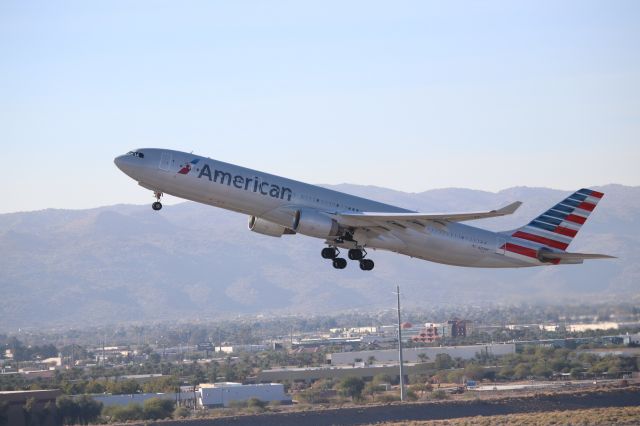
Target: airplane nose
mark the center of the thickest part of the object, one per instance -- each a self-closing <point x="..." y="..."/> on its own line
<point x="119" y="161"/>
<point x="124" y="163"/>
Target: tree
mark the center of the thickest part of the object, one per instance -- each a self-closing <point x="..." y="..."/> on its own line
<point x="371" y="389"/>
<point x="161" y="385"/>
<point x="4" y="413"/>
<point x="120" y="413"/>
<point x="351" y="387"/>
<point x="473" y="371"/>
<point x="443" y="362"/>
<point x="32" y="416"/>
<point x="88" y="409"/>
<point x="423" y="357"/>
<point x="83" y="410"/>
<point x="94" y="387"/>
<point x="125" y="387"/>
<point x="381" y="378"/>
<point x="422" y="388"/>
<point x="521" y="371"/>
<point x="67" y="410"/>
<point x="541" y="370"/>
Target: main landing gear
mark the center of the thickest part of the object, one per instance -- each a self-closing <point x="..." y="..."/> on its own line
<point x="353" y="254"/>
<point x="157" y="205"/>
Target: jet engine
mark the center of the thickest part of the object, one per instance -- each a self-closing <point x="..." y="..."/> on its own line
<point x="265" y="227"/>
<point x="315" y="224"/>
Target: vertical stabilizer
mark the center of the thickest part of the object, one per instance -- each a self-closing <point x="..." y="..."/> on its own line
<point x="557" y="227"/>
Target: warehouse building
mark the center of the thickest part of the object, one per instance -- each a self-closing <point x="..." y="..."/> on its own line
<point x="422" y="354"/>
<point x="215" y="395"/>
<point x="14" y="402"/>
<point x="311" y="374"/>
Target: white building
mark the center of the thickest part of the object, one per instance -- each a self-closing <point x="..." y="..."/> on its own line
<point x="213" y="395"/>
<point x="240" y="348"/>
<point x="414" y="354"/>
<point x="593" y="326"/>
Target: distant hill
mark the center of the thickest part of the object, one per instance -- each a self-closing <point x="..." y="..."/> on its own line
<point x="128" y="263"/>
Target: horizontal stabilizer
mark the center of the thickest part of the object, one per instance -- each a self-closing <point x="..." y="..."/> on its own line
<point x="360" y="219"/>
<point x="575" y="256"/>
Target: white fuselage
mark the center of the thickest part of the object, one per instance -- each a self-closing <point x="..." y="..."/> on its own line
<point x="271" y="197"/>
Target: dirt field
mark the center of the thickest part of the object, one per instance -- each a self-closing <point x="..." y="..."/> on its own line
<point x="619" y="416"/>
<point x="423" y="411"/>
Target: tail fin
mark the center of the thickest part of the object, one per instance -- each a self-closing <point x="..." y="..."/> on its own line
<point x="558" y="226"/>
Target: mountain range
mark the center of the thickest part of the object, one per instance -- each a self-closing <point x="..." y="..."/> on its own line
<point x="127" y="263"/>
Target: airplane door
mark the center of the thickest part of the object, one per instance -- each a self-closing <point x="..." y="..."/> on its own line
<point x="165" y="161"/>
<point x="500" y="244"/>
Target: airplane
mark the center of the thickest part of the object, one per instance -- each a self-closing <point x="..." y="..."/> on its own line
<point x="277" y="206"/>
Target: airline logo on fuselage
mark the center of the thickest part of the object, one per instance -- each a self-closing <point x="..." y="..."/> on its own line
<point x="186" y="168"/>
<point x="253" y="184"/>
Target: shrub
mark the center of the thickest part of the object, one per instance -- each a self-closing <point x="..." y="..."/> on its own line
<point x="238" y="404"/>
<point x="388" y="397"/>
<point x="313" y="396"/>
<point x="156" y="408"/>
<point x="439" y="394"/>
<point x="181" y="413"/>
<point x="411" y="395"/>
<point x="255" y="402"/>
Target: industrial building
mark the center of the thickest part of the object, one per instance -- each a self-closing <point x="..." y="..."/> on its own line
<point x="428" y="334"/>
<point x="206" y="395"/>
<point x="311" y="374"/>
<point x="422" y="354"/>
<point x="215" y="395"/>
<point x="15" y="401"/>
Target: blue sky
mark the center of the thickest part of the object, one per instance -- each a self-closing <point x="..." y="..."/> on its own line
<point x="406" y="95"/>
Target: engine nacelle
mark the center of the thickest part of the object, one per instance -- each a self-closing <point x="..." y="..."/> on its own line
<point x="315" y="224"/>
<point x="265" y="227"/>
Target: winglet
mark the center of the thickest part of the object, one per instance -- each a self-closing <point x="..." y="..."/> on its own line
<point x="510" y="209"/>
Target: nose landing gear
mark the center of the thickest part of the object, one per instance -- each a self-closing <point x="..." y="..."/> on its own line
<point x="157" y="205"/>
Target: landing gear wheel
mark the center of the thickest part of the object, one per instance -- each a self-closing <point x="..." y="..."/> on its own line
<point x="157" y="205"/>
<point x="339" y="263"/>
<point x="366" y="264"/>
<point x="355" y="254"/>
<point x="329" y="253"/>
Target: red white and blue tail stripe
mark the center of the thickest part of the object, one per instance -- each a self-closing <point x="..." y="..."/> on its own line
<point x="555" y="228"/>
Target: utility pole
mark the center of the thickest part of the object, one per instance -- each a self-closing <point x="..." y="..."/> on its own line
<point x="400" y="348"/>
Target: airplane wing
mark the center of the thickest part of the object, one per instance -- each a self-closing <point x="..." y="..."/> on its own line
<point x="575" y="256"/>
<point x="365" y="219"/>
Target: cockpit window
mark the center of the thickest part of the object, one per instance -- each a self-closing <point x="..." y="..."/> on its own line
<point x="136" y="154"/>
